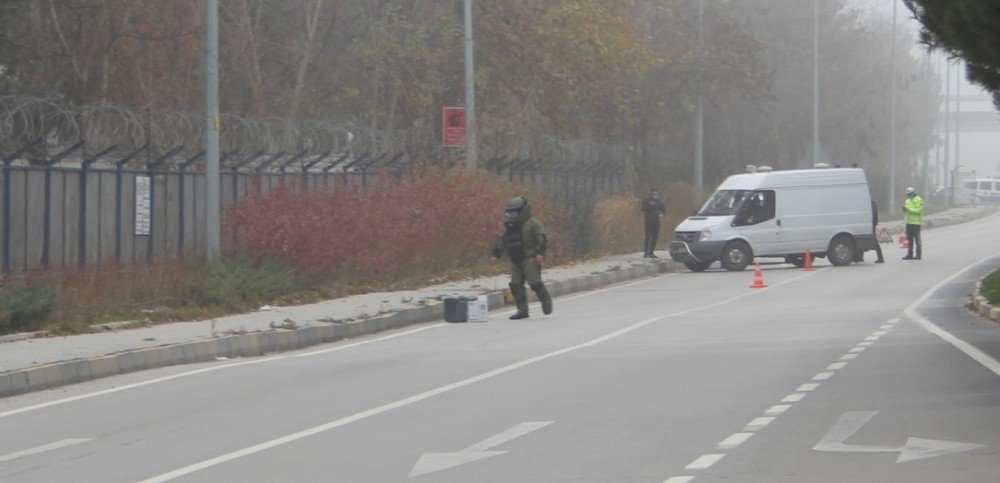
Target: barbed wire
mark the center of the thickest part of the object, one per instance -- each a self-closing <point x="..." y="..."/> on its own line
<point x="24" y="119"/>
<point x="100" y="125"/>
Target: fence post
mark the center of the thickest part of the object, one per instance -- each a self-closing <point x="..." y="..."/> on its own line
<point x="364" y="170"/>
<point x="347" y="166"/>
<point x="326" y="171"/>
<point x="6" y="200"/>
<point x="47" y="213"/>
<point x="82" y="217"/>
<point x="310" y="164"/>
<point x="151" y="168"/>
<point x="119" y="166"/>
<point x="181" y="232"/>
<point x="236" y="171"/>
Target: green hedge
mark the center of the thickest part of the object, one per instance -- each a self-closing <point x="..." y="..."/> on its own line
<point x="26" y="305"/>
<point x="991" y="288"/>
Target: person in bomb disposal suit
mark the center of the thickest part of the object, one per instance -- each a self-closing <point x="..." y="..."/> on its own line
<point x="524" y="242"/>
<point x="654" y="209"/>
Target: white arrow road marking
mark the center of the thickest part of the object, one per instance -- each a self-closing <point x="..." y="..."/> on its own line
<point x="431" y="462"/>
<point x="41" y="449"/>
<point x="915" y="448"/>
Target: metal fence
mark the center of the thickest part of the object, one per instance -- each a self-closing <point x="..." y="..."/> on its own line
<point x="69" y="204"/>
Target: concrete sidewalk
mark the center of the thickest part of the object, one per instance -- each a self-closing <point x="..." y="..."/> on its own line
<point x="31" y="364"/>
<point x="34" y="363"/>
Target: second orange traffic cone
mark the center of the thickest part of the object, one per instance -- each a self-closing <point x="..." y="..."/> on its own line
<point x="904" y="241"/>
<point x="809" y="261"/>
<point x="758" y="279"/>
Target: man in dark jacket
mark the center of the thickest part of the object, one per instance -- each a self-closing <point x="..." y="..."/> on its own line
<point x="524" y="242"/>
<point x="654" y="209"/>
<point x="878" y="247"/>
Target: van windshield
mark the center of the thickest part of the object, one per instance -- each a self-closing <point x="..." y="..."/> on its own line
<point x="724" y="202"/>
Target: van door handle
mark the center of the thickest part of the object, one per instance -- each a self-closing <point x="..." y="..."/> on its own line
<point x="779" y="222"/>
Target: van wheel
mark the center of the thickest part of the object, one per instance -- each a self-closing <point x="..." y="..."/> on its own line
<point x="736" y="256"/>
<point x="697" y="266"/>
<point x="797" y="260"/>
<point x="841" y="251"/>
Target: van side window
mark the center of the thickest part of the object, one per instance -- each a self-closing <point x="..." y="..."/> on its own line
<point x="759" y="207"/>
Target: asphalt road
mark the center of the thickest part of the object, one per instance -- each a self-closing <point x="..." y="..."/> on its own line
<point x="860" y="373"/>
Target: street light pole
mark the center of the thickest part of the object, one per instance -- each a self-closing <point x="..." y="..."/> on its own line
<point x="212" y="177"/>
<point x="470" y="92"/>
<point x="815" y="133"/>
<point x="892" y="118"/>
<point x="699" y="149"/>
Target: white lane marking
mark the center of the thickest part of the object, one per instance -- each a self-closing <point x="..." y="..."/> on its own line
<point x="865" y="344"/>
<point x="194" y="373"/>
<point x="433" y="462"/>
<point x="887" y="327"/>
<point x="822" y="376"/>
<point x="443" y="389"/>
<point x="969" y="349"/>
<point x="807" y="387"/>
<point x="734" y="440"/>
<point x="915" y="448"/>
<point x="133" y="386"/>
<point x="893" y="321"/>
<point x="793" y="398"/>
<point x="873" y="337"/>
<point x="679" y="479"/>
<point x="836" y="365"/>
<point x="857" y="350"/>
<point x="705" y="461"/>
<point x="848" y="357"/>
<point x="759" y="423"/>
<point x="879" y="332"/>
<point x="776" y="410"/>
<point x="371" y="341"/>
<point x="256" y="361"/>
<point x="508" y="435"/>
<point x="41" y="449"/>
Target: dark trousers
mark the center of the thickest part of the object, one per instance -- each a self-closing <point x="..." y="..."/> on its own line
<point x="878" y="249"/>
<point x="652" y="233"/>
<point x="913" y="234"/>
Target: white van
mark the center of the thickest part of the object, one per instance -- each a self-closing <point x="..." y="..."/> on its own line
<point x="779" y="214"/>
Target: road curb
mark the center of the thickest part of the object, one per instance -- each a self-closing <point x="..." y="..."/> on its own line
<point x="981" y="306"/>
<point x="256" y="344"/>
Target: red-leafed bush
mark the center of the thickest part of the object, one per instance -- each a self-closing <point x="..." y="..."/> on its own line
<point x="439" y="222"/>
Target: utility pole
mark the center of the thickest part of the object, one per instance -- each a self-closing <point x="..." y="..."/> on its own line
<point x="212" y="123"/>
<point x="892" y="117"/>
<point x="924" y="184"/>
<point x="815" y="143"/>
<point x="470" y="93"/>
<point x="947" y="127"/>
<point x="960" y="67"/>
<point x="699" y="130"/>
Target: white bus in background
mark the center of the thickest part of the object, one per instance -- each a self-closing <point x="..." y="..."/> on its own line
<point x="980" y="191"/>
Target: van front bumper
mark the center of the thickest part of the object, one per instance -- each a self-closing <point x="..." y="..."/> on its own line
<point x="696" y="252"/>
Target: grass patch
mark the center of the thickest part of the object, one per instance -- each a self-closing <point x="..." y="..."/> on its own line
<point x="991" y="288"/>
<point x="27" y="304"/>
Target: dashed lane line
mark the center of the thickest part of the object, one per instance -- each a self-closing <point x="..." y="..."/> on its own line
<point x="772" y="413"/>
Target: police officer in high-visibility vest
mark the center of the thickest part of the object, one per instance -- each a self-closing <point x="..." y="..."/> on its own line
<point x="913" y="216"/>
<point x="524" y="242"/>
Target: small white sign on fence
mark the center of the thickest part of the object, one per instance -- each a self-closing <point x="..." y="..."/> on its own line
<point x="143" y="202"/>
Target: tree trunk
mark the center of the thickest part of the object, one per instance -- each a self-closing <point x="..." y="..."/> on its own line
<point x="313" y="12"/>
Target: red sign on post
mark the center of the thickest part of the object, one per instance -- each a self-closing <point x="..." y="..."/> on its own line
<point x="453" y="127"/>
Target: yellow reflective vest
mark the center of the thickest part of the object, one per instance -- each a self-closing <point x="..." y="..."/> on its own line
<point x="913" y="210"/>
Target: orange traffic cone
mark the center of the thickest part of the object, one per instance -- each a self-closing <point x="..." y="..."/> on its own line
<point x="904" y="241"/>
<point x="758" y="280"/>
<point x="809" y="261"/>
